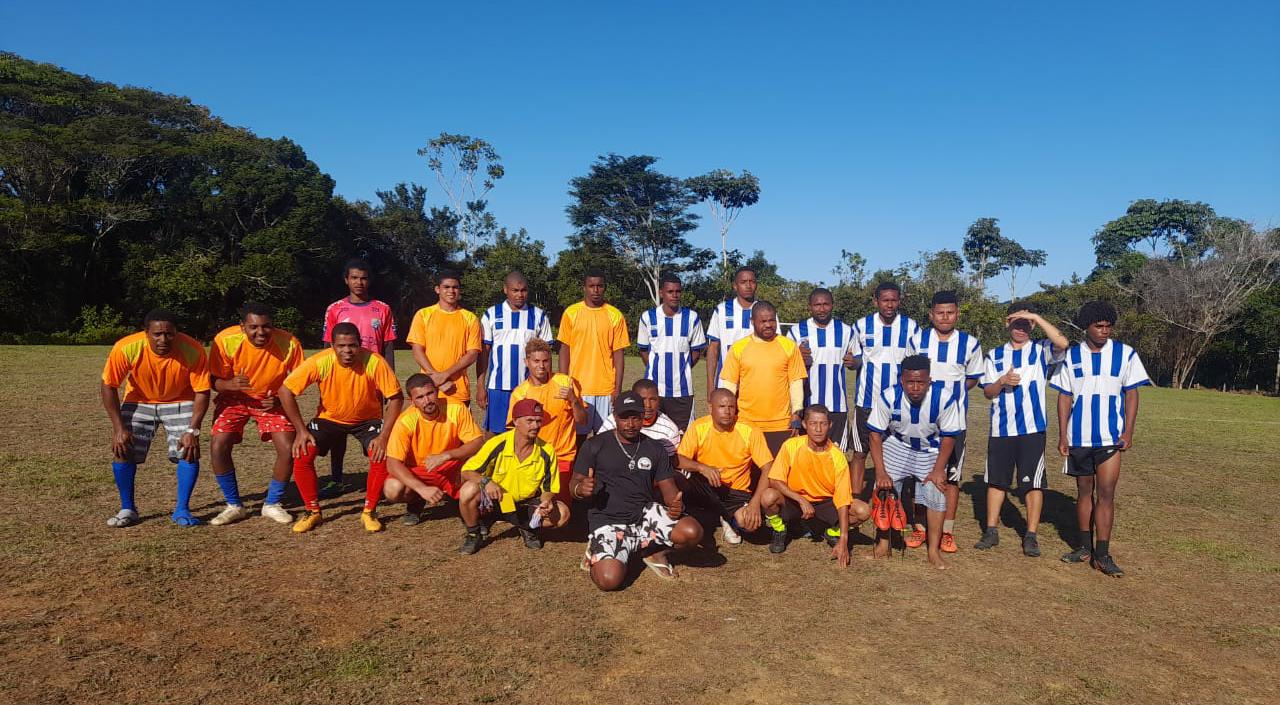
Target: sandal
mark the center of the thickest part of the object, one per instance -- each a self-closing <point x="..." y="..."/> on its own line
<point x="666" y="571"/>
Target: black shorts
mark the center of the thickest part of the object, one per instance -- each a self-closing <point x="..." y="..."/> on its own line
<point x="824" y="513"/>
<point x="861" y="435"/>
<point x="1020" y="457"/>
<point x="520" y="517"/>
<point x="678" y="409"/>
<point x="1084" y="462"/>
<point x="328" y="433"/>
<point x="839" y="432"/>
<point x="775" y="439"/>
<point x="955" y="464"/>
<point x="699" y="494"/>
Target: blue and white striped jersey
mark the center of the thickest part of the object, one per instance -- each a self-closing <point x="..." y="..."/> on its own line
<point x="1096" y="382"/>
<point x="954" y="360"/>
<point x="507" y="330"/>
<point x="918" y="426"/>
<point x="1019" y="411"/>
<point x="730" y="322"/>
<point x="670" y="342"/>
<point x="827" y="346"/>
<point x="881" y="347"/>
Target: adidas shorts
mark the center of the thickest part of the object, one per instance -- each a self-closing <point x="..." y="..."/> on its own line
<point x="1084" y="462"/>
<point x="327" y="433"/>
<point x="1018" y="458"/>
<point x="861" y="437"/>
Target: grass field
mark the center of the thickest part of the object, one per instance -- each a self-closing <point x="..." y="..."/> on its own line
<point x="251" y="613"/>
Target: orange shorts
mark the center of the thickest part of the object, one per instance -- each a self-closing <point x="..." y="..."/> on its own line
<point x="231" y="417"/>
<point x="447" y="477"/>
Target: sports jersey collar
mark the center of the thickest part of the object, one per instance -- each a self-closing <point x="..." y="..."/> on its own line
<point x="1105" y="346"/>
<point x="734" y="301"/>
<point x="509" y="449"/>
<point x="757" y="338"/>
<point x="348" y="300"/>
<point x="506" y="306"/>
<point x="935" y="332"/>
<point x="890" y="324"/>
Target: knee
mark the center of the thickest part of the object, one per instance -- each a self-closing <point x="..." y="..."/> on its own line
<point x="221" y="444"/>
<point x="686" y="533"/>
<point x="859" y="512"/>
<point x="470" y="492"/>
<point x="561" y="515"/>
<point x="770" y="499"/>
<point x="608" y="574"/>
<point x="393" y="490"/>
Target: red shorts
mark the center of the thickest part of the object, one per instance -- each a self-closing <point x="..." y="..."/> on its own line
<point x="231" y="418"/>
<point x="566" y="473"/>
<point x="447" y="477"/>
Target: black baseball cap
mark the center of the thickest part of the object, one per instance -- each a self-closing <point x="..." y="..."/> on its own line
<point x="629" y="404"/>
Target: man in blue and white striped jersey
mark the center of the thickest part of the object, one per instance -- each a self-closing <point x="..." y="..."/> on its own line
<point x="883" y="340"/>
<point x="505" y="329"/>
<point x="671" y="341"/>
<point x="730" y="322"/>
<point x="827" y="346"/>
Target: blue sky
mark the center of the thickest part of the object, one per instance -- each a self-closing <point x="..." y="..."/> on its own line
<point x="883" y="128"/>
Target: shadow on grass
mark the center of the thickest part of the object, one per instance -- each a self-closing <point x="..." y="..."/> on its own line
<point x="1059" y="510"/>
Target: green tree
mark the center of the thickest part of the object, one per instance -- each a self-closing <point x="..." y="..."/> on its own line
<point x="982" y="246"/>
<point x="1173" y="224"/>
<point x="482" y="284"/>
<point x="459" y="161"/>
<point x="726" y="195"/>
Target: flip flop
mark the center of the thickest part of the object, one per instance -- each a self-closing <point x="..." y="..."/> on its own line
<point x="658" y="567"/>
<point x="123" y="518"/>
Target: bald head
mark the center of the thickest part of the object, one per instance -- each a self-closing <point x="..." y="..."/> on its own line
<point x="724" y="408"/>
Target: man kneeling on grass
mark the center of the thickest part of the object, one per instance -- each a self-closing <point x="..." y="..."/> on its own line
<point x="809" y="481"/>
<point x="514" y="477"/>
<point x="616" y="473"/>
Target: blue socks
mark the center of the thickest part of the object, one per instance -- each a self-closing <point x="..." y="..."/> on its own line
<point x="187" y="473"/>
<point x="275" y="491"/>
<point x="230" y="489"/>
<point x="124" y="474"/>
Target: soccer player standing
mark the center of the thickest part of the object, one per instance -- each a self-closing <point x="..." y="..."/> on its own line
<point x="767" y="373"/>
<point x="593" y="335"/>
<point x="446" y="340"/>
<point x="827" y="346"/>
<point x="505" y="329"/>
<point x="730" y="322"/>
<point x="165" y="375"/>
<point x="1097" y="410"/>
<point x="671" y="341"/>
<point x="248" y="363"/>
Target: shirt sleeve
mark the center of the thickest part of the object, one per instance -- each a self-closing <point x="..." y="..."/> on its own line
<point x="586" y="459"/>
<point x="475" y="462"/>
<point x="390" y="328"/>
<point x="843" y="495"/>
<point x="642" y="333"/>
<point x="949" y="418"/>
<point x="795" y="365"/>
<point x="855" y="345"/>
<point x="467" y="429"/>
<point x="219" y="365"/>
<point x="330" y="316"/>
<point x="418" y="329"/>
<point x="384" y="379"/>
<point x="294" y="358"/>
<point x="688" y="446"/>
<point x="486" y="328"/>
<point x="398" y="443"/>
<point x="713" y="328"/>
<point x="473" y="336"/>
<point x="566" y="334"/>
<point x="199" y="374"/>
<point x="1062" y="380"/>
<point x="544" y="328"/>
<point x="914" y="344"/>
<point x="989" y="374"/>
<point x="879" y="418"/>
<point x="781" y="465"/>
<point x="116" y="367"/>
<point x="516" y="395"/>
<point x="298" y="380"/>
<point x="1135" y="373"/>
<point x="759" y="449"/>
<point x="661" y="465"/>
<point x="697" y="338"/>
<point x="731" y="371"/>
<point x="621" y="336"/>
<point x="973" y="365"/>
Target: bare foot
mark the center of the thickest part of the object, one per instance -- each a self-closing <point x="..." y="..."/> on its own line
<point x="937" y="562"/>
<point x="881" y="550"/>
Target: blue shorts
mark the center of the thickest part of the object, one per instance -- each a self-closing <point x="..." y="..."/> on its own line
<point x="495" y="416"/>
<point x="599" y="408"/>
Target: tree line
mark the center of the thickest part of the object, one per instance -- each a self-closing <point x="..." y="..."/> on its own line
<point x="114" y="200"/>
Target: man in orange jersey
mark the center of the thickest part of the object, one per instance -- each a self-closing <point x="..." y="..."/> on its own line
<point x="353" y="385"/>
<point x="810" y="481"/>
<point x="248" y="363"/>
<point x="446" y="340"/>
<point x="724" y="459"/>
<point x="428" y="445"/>
<point x="561" y="400"/>
<point x="767" y="373"/>
<point x="165" y="375"/>
<point x="593" y="335"/>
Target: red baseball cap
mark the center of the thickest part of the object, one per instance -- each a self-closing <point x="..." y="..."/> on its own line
<point x="526" y="407"/>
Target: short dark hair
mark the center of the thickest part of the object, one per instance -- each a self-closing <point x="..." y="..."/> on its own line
<point x="1094" y="311"/>
<point x="887" y="286"/>
<point x="815" y="409"/>
<point x="944" y="297"/>
<point x="1015" y="306"/>
<point x="764" y="306"/>
<point x="359" y="263"/>
<point x="669" y="278"/>
<point x="742" y="269"/>
<point x="593" y="273"/>
<point x="159" y="314"/>
<point x="915" y="362"/>
<point x="644" y="383"/>
<point x="418" y="379"/>
<point x="515" y="275"/>
<point x="344" y="328"/>
<point x="819" y="291"/>
<point x="448" y="274"/>
<point x="257" y="308"/>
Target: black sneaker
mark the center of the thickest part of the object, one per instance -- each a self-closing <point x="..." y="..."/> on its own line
<point x="779" y="542"/>
<point x="1106" y="565"/>
<point x="990" y="538"/>
<point x="332" y="489"/>
<point x="1030" y="546"/>
<point x="413" y="513"/>
<point x="531" y="539"/>
<point x="1080" y="555"/>
<point x="471" y="544"/>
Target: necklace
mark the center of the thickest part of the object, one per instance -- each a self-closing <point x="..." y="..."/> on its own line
<point x="631" y="459"/>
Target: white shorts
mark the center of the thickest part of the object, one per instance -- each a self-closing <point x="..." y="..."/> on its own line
<point x="619" y="541"/>
<point x="599" y="408"/>
<point x="901" y="462"/>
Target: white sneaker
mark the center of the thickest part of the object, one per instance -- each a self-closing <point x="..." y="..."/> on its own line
<point x="123" y="518"/>
<point x="730" y="536"/>
<point x="276" y="513"/>
<point x="233" y="512"/>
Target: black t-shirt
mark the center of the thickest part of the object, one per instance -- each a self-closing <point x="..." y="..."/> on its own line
<point x="624" y="479"/>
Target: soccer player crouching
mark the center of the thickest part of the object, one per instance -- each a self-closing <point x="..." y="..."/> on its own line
<point x="428" y="445"/>
<point x="353" y="385"/>
<point x="165" y="375"/>
<point x="514" y="477"/>
<point x="809" y="481"/>
<point x="913" y="427"/>
<point x="248" y="364"/>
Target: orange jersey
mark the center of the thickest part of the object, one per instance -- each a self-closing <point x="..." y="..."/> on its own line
<point x="415" y="437"/>
<point x="232" y="354"/>
<point x="812" y="474"/>
<point x="445" y="336"/>
<point x="149" y="378"/>
<point x="348" y="395"/>
<point x="593" y="334"/>
<point x="764" y="371"/>
<point x="558" y="430"/>
<point x="734" y="451"/>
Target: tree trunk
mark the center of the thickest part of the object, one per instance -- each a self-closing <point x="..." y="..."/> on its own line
<point x="1276" y="388"/>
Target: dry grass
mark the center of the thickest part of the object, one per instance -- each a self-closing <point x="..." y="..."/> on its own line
<point x="252" y="613"/>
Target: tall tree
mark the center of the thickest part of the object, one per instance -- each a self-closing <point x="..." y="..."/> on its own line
<point x="458" y="161"/>
<point x="982" y="245"/>
<point x="641" y="212"/>
<point x="482" y="283"/>
<point x="726" y="195"/>
<point x="1172" y="224"/>
<point x="1012" y="257"/>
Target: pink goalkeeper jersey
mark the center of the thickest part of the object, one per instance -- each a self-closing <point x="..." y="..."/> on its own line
<point x="373" y="318"/>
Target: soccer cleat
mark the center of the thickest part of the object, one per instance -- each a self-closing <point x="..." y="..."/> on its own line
<point x="411" y="518"/>
<point x="470" y="544"/>
<point x="370" y="521"/>
<point x="730" y="536"/>
<point x="233" y="512"/>
<point x="276" y="513"/>
<point x="123" y="518"/>
<point x="880" y="510"/>
<point x="897" y="516"/>
<point x="779" y="542"/>
<point x="832" y="536"/>
<point x="309" y="521"/>
<point x="916" y="538"/>
<point x="990" y="539"/>
<point x="332" y="489"/>
<point x="1106" y="565"/>
<point x="948" y="543"/>
<point x="1080" y="555"/>
<point x="531" y="539"/>
<point x="1030" y="546"/>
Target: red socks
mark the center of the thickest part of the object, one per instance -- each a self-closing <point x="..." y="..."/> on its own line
<point x="373" y="486"/>
<point x="304" y="473"/>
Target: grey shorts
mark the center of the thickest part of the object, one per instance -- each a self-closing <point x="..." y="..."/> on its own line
<point x="144" y="420"/>
<point x="599" y="408"/>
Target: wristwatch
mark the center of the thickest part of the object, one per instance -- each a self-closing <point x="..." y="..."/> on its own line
<point x="484" y="480"/>
<point x="193" y="431"/>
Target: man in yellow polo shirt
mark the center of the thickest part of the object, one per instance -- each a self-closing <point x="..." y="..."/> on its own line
<point x="767" y="373"/>
<point x="513" y="477"/>
<point x="445" y="339"/>
<point x="592" y="336"/>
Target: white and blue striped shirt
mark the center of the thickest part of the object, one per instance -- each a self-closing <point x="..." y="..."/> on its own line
<point x="827" y="347"/>
<point x="882" y="347"/>
<point x="507" y="330"/>
<point x="1096" y="383"/>
<point x="954" y="360"/>
<point x="730" y="322"/>
<point x="917" y="426"/>
<point x="670" y="342"/>
<point x="1019" y="410"/>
